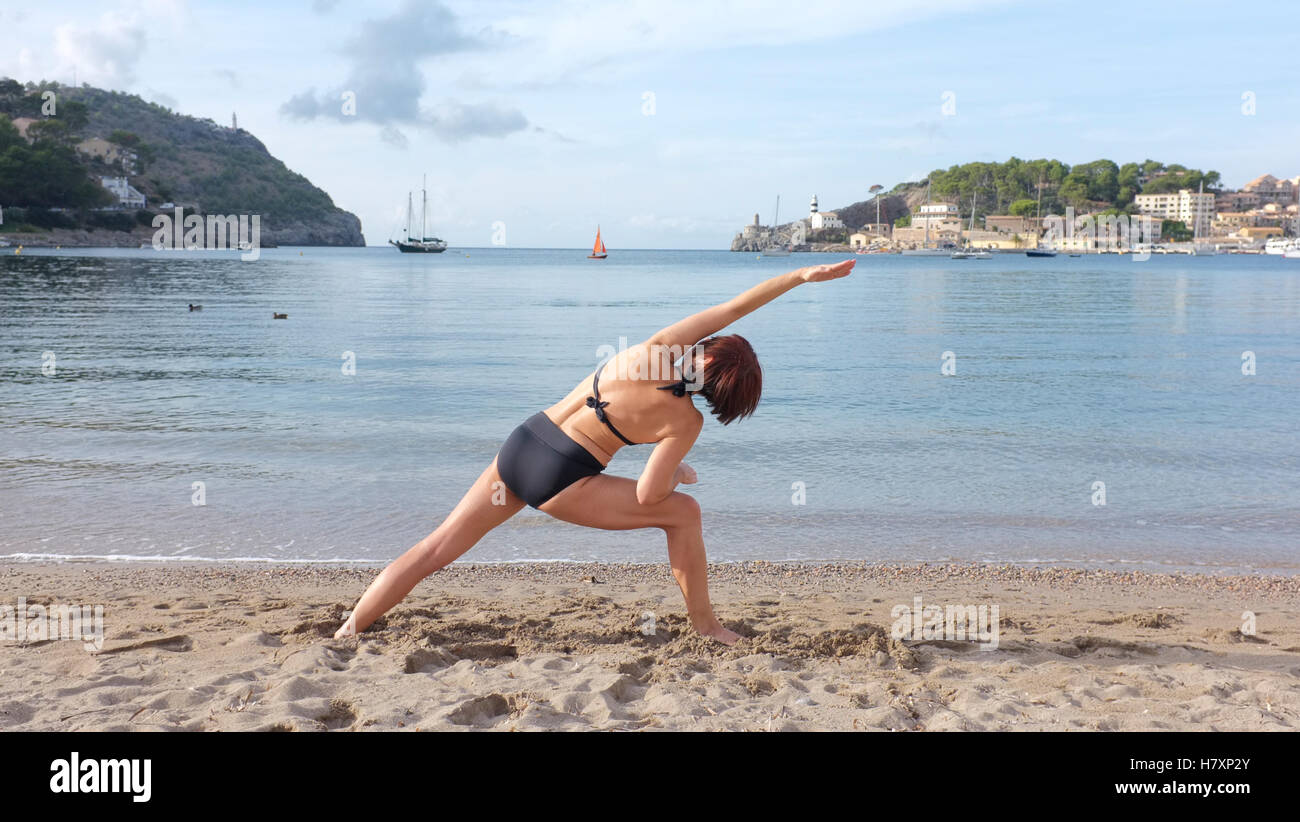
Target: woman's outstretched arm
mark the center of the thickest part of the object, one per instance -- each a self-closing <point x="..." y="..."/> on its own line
<point x="710" y="321"/>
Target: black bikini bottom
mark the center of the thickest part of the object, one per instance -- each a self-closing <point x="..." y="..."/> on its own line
<point x="538" y="460"/>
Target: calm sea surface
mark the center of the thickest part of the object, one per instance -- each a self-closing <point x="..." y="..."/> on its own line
<point x="1069" y="372"/>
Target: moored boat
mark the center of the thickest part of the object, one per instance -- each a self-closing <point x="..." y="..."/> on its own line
<point x="421" y="244"/>
<point x="966" y="252"/>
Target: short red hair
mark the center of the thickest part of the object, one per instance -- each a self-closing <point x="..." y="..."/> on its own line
<point x="733" y="379"/>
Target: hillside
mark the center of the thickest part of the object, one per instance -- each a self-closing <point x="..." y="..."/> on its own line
<point x="190" y="161"/>
<point x="1012" y="188"/>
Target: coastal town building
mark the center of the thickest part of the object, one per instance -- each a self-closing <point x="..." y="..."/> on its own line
<point x="939" y="222"/>
<point x="995" y="239"/>
<point x="1232" y="220"/>
<point x="1183" y="205"/>
<point x="1259" y="232"/>
<point x="1269" y="215"/>
<point x="1269" y="189"/>
<point x="111" y="153"/>
<point x="1236" y="201"/>
<point x="126" y="194"/>
<point x="1008" y="223"/>
<point x="938" y="216"/>
<point x="818" y="220"/>
<point x="825" y="219"/>
<point x="913" y="237"/>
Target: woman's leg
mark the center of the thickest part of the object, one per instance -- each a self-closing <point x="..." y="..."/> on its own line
<point x="487" y="504"/>
<point x="610" y="503"/>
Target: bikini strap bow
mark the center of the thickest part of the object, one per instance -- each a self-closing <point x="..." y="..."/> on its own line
<point x="678" y="388"/>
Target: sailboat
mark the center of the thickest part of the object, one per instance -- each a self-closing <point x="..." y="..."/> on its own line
<point x="966" y="253"/>
<point x="774" y="250"/>
<point x="925" y="250"/>
<point x="1198" y="248"/>
<point x="598" y="250"/>
<point x="1038" y="250"/>
<point x="421" y="244"/>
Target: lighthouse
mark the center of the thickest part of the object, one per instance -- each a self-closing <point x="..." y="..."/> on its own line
<point x="812" y="207"/>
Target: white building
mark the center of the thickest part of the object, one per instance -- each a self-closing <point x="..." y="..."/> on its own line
<point x="127" y="196"/>
<point x="825" y="219"/>
<point x="936" y="215"/>
<point x="1181" y="206"/>
<point x="818" y="220"/>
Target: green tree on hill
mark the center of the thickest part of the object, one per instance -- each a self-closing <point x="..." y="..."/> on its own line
<point x="46" y="174"/>
<point x="998" y="185"/>
<point x="1175" y="230"/>
<point x="11" y="91"/>
<point x="1003" y="188"/>
<point x="51" y="131"/>
<point x="1023" y="208"/>
<point x="125" y="139"/>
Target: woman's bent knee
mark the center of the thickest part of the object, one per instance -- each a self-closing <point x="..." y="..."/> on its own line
<point x="683" y="511"/>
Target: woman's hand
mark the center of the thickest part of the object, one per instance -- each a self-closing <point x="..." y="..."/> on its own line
<point x="822" y="273"/>
<point x="685" y="474"/>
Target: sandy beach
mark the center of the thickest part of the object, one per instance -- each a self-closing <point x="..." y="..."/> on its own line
<point x="518" y="647"/>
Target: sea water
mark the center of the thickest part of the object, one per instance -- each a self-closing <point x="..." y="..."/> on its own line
<point x="1096" y="411"/>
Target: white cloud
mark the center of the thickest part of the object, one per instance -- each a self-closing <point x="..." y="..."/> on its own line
<point x="387" y="82"/>
<point x="105" y="52"/>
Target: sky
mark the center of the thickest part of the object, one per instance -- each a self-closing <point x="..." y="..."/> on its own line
<point x="670" y="123"/>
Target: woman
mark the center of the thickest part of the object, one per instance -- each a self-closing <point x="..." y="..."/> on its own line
<point x="555" y="460"/>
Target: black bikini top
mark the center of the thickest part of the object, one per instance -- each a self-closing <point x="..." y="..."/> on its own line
<point x="678" y="388"/>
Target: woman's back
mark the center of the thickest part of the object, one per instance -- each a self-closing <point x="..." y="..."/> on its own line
<point x="630" y="400"/>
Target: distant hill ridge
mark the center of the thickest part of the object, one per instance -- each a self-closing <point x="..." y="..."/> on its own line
<point x="197" y="163"/>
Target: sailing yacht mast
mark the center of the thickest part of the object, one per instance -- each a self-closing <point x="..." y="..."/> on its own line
<point x="1196" y="231"/>
<point x="422" y="244"/>
<point x="971" y="230"/>
<point x="1038" y="215"/>
<point x="927" y="216"/>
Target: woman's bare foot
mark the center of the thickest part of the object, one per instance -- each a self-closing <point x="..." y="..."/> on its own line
<point x="721" y="634"/>
<point x="348" y="628"/>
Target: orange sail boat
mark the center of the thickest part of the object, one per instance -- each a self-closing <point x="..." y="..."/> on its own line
<point x="598" y="250"/>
